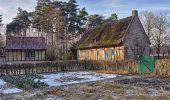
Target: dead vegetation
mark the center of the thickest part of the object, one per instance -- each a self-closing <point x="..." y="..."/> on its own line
<point x="125" y="87"/>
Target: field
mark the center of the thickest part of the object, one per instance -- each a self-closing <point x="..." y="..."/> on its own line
<point x="93" y="86"/>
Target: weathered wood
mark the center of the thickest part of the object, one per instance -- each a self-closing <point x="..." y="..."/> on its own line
<point x="120" y="67"/>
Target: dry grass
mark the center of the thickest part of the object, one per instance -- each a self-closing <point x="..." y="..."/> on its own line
<point x="111" y="86"/>
<point x="105" y="90"/>
<point x="88" y="89"/>
<point x="120" y="72"/>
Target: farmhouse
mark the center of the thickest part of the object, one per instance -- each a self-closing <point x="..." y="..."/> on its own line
<point x="25" y="48"/>
<point x="122" y="39"/>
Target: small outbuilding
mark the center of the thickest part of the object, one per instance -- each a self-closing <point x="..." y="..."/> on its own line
<point x="25" y="48"/>
<point x="122" y="39"/>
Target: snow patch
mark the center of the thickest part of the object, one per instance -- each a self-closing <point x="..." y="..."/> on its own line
<point x="66" y="78"/>
<point x="153" y="92"/>
<point x="59" y="79"/>
<point x="2" y="82"/>
<point x="11" y="90"/>
<point x="8" y="90"/>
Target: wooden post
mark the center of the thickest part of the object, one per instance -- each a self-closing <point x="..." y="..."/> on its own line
<point x="38" y="54"/>
<point x="41" y="54"/>
<point x="12" y="55"/>
<point x="21" y="54"/>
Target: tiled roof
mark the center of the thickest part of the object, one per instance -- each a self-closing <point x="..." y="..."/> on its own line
<point x="25" y="43"/>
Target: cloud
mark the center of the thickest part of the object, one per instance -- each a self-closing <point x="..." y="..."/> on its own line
<point x="8" y="8"/>
<point x="110" y="3"/>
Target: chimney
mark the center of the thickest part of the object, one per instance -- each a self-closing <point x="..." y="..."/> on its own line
<point x="134" y="13"/>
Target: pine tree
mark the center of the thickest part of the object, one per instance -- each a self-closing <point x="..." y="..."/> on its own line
<point x="113" y="16"/>
<point x="72" y="16"/>
<point x="20" y="24"/>
<point x="1" y="37"/>
<point x="95" y="20"/>
<point x="82" y="18"/>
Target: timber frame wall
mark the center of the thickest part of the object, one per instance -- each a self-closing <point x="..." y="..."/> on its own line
<point x="92" y="54"/>
<point x="19" y="55"/>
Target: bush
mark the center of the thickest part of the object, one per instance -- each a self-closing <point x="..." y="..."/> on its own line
<point x="26" y="81"/>
<point x="51" y="55"/>
<point x="68" y="56"/>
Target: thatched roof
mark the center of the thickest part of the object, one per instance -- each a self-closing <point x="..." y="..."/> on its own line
<point x="25" y="43"/>
<point x="109" y="34"/>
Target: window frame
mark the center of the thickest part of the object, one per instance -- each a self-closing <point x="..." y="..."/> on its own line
<point x="30" y="55"/>
<point x="114" y="52"/>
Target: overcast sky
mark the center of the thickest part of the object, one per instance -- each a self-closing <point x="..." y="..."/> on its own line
<point x="8" y="8"/>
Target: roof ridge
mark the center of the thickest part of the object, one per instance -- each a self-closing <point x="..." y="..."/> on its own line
<point x="26" y="37"/>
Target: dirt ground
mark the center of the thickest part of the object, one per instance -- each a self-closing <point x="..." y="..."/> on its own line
<point x="121" y="88"/>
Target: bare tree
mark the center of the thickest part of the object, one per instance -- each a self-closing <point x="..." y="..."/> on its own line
<point x="1" y="36"/>
<point x="138" y="48"/>
<point x="148" y="22"/>
<point x="160" y="30"/>
<point x="55" y="29"/>
<point x="156" y="29"/>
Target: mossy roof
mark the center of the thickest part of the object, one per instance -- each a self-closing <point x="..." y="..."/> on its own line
<point x="109" y="34"/>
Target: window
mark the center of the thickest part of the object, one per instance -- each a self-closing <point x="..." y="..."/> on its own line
<point x="97" y="55"/>
<point x="126" y="53"/>
<point x="94" y="40"/>
<point x="114" y="52"/>
<point x="30" y="55"/>
<point x="1" y="52"/>
<point x="106" y="54"/>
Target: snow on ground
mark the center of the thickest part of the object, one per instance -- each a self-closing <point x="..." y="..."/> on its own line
<point x="66" y="78"/>
<point x="59" y="79"/>
<point x="11" y="90"/>
<point x="153" y="92"/>
<point x="8" y="90"/>
<point x="2" y="82"/>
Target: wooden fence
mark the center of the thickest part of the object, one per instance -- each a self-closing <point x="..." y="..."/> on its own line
<point x="73" y="65"/>
<point x="162" y="67"/>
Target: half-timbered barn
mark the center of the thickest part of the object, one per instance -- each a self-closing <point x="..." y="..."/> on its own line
<point x="25" y="48"/>
<point x="121" y="39"/>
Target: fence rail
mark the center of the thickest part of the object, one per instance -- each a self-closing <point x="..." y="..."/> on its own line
<point x="58" y="66"/>
<point x="162" y="67"/>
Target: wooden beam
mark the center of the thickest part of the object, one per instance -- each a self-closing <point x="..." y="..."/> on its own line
<point x="41" y="54"/>
<point x="45" y="54"/>
<point x="16" y="55"/>
<point x="38" y="55"/>
<point x="21" y="54"/>
<point x="34" y="55"/>
<point x="12" y="54"/>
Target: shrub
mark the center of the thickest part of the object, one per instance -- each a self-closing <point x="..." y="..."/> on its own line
<point x="51" y="55"/>
<point x="26" y="81"/>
